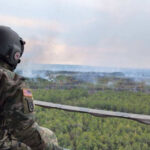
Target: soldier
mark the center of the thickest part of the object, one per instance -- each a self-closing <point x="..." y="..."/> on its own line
<point x="18" y="129"/>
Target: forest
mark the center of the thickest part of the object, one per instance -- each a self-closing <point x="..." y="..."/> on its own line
<point x="78" y="131"/>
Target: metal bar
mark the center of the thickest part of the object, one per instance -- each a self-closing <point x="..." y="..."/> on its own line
<point x="99" y="113"/>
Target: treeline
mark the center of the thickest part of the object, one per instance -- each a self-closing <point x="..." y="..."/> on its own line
<point x="91" y="83"/>
<point x="85" y="132"/>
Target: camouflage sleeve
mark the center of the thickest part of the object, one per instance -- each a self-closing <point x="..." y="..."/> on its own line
<point x="18" y="111"/>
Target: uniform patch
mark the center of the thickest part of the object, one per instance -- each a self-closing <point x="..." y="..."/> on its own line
<point x="28" y="100"/>
<point x="27" y="93"/>
<point x="30" y="105"/>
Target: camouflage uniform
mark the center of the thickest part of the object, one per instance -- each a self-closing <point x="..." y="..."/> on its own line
<point x="18" y="129"/>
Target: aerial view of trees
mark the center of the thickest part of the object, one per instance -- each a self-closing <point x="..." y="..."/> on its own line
<point x="78" y="131"/>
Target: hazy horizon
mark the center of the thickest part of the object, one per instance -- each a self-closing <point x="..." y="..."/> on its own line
<point x="82" y="32"/>
<point x="26" y="65"/>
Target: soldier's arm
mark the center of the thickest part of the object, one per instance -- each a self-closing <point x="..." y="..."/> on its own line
<point x="19" y="114"/>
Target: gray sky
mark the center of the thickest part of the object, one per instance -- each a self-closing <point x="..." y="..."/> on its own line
<point x="113" y="33"/>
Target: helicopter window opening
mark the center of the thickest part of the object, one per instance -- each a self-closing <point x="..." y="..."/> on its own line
<point x="92" y="54"/>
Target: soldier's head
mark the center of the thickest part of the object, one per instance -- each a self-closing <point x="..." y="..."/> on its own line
<point x="11" y="46"/>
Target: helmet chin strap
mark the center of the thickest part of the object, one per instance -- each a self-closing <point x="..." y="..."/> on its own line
<point x="14" y="66"/>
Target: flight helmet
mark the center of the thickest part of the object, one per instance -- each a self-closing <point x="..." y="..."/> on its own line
<point x="11" y="46"/>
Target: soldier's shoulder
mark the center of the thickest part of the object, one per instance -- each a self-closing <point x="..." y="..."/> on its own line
<point x="8" y="73"/>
